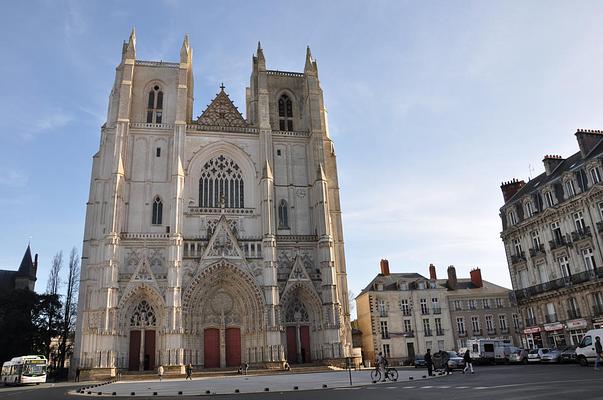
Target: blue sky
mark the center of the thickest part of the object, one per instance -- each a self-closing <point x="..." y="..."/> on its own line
<point x="431" y="105"/>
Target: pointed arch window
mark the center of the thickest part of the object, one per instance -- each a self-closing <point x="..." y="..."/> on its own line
<point x="155" y="105"/>
<point x="285" y="113"/>
<point x="143" y="315"/>
<point x="283" y="217"/>
<point x="157" y="211"/>
<point x="221" y="182"/>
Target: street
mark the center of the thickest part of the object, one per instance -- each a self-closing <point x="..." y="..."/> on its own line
<point x="492" y="382"/>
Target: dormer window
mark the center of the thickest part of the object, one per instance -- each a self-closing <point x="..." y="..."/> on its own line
<point x="285" y="113"/>
<point x="155" y="105"/>
<point x="595" y="175"/>
<point x="548" y="197"/>
<point x="529" y="209"/>
<point x="512" y="217"/>
<point x="570" y="189"/>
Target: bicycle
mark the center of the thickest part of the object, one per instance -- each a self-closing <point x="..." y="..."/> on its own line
<point x="390" y="373"/>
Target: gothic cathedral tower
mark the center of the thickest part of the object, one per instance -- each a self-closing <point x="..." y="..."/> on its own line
<point x="215" y="240"/>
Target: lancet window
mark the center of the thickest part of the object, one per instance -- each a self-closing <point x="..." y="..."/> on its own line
<point x="143" y="315"/>
<point x="155" y="105"/>
<point x="221" y="182"/>
<point x="157" y="211"/>
<point x="285" y="113"/>
<point x="283" y="217"/>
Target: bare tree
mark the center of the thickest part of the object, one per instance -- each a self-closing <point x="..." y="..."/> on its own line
<point x="70" y="306"/>
<point x="54" y="278"/>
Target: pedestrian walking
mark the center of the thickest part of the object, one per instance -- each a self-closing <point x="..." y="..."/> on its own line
<point x="160" y="372"/>
<point x="189" y="372"/>
<point x="468" y="362"/>
<point x="77" y="374"/>
<point x="599" y="351"/>
<point x="429" y="362"/>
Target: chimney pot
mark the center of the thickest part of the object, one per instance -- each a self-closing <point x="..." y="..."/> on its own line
<point x="432" y="272"/>
<point x="476" y="278"/>
<point x="384" y="267"/>
<point x="510" y="188"/>
<point x="452" y="281"/>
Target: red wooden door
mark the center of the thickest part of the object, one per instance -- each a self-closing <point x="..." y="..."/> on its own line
<point x="134" y="354"/>
<point x="211" y="347"/>
<point x="233" y="347"/>
<point x="149" y="350"/>
<point x="304" y="333"/>
<point x="291" y="344"/>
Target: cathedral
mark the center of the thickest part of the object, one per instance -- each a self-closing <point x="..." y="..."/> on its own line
<point x="212" y="240"/>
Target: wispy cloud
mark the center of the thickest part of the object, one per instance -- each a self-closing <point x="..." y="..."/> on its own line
<point x="48" y="121"/>
<point x="12" y="178"/>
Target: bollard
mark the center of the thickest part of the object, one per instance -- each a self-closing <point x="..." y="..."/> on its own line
<point x="154" y="393"/>
<point x="266" y="389"/>
<point x="410" y="378"/>
<point x="114" y="394"/>
<point x="180" y="393"/>
<point x="237" y="391"/>
<point x="424" y="376"/>
<point x="295" y="388"/>
<point x="132" y="393"/>
<point x="207" y="392"/>
<point x="324" y="386"/>
<point x="99" y="393"/>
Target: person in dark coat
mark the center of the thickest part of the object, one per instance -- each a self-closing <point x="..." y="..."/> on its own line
<point x="468" y="362"/>
<point x="429" y="362"/>
<point x="599" y="351"/>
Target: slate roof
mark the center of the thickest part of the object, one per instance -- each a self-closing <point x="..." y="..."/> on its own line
<point x="390" y="282"/>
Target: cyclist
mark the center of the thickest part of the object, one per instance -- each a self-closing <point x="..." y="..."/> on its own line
<point x="382" y="365"/>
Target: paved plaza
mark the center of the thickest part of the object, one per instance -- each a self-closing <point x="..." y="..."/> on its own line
<point x="247" y="384"/>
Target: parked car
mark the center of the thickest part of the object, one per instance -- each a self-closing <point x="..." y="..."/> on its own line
<point x="455" y="361"/>
<point x="420" y="362"/>
<point x="568" y="354"/>
<point x="535" y="355"/>
<point x="552" y="356"/>
<point x="519" y="356"/>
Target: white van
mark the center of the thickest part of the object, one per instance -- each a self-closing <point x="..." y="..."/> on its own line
<point x="585" y="352"/>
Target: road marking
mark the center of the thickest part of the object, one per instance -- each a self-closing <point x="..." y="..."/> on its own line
<point x="443" y="387"/>
<point x="461" y="387"/>
<point x="481" y="387"/>
<point x="426" y="387"/>
<point x="391" y="387"/>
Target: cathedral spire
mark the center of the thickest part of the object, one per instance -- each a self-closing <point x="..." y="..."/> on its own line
<point x="185" y="50"/>
<point x="310" y="66"/>
<point x="261" y="61"/>
<point x="129" y="50"/>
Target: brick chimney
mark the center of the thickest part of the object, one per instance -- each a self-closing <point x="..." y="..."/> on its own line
<point x="551" y="162"/>
<point x="432" y="272"/>
<point x="588" y="139"/>
<point x="476" y="278"/>
<point x="510" y="188"/>
<point x="384" y="267"/>
<point x="451" y="283"/>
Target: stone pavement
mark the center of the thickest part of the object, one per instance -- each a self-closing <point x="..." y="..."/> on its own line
<point x="245" y="384"/>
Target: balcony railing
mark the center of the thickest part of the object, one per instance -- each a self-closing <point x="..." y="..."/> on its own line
<point x="437" y="310"/>
<point x="424" y="311"/>
<point x="531" y="322"/>
<point x="573" y="314"/>
<point x="462" y="333"/>
<point x="559" y="242"/>
<point x="567" y="281"/>
<point x="550" y="318"/>
<point x="536" y="251"/>
<point x="517" y="258"/>
<point x="491" y="331"/>
<point x="477" y="332"/>
<point x="409" y="333"/>
<point x="504" y="330"/>
<point x="406" y="312"/>
<point x="428" y="332"/>
<point x="580" y="234"/>
<point x="439" y="332"/>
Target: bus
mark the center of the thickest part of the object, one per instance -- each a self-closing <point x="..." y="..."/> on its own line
<point x="24" y="369"/>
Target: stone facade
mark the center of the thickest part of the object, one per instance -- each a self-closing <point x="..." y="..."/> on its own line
<point x="552" y="233"/>
<point x="215" y="240"/>
<point x="480" y="309"/>
<point x="401" y="315"/>
<point x="404" y="314"/>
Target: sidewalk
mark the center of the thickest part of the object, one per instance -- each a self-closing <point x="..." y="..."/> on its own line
<point x="246" y="384"/>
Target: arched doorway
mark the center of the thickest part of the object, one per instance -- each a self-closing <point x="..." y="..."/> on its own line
<point x="301" y="316"/>
<point x="223" y="311"/>
<point x="143" y="324"/>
